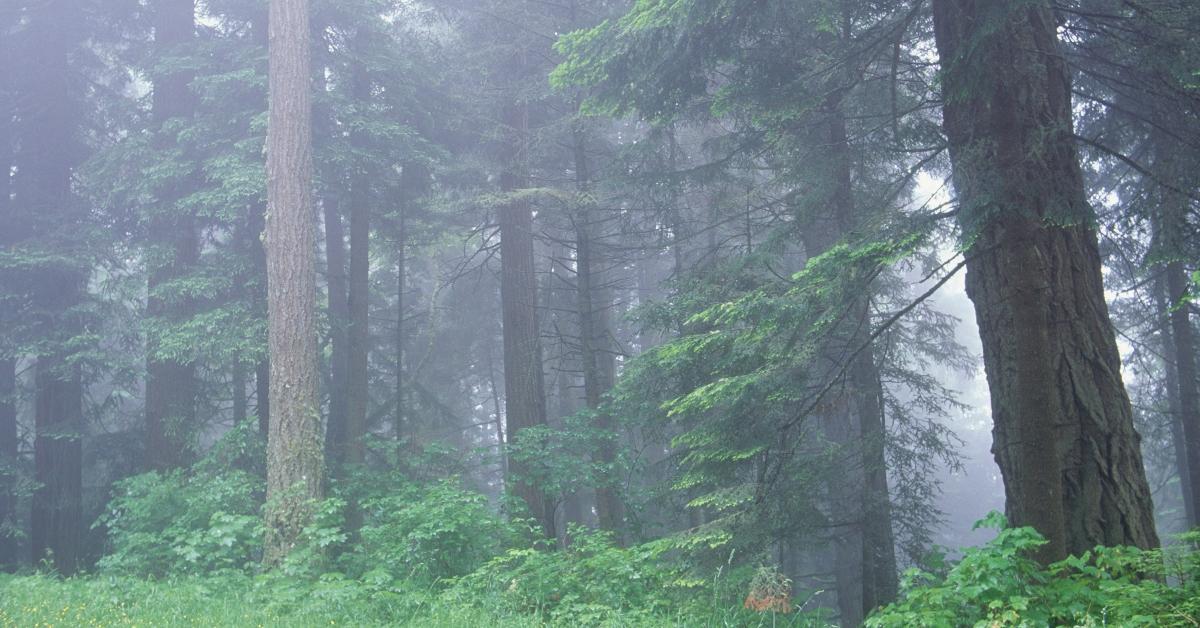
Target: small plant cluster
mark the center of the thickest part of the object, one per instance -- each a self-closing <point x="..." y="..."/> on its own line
<point x="999" y="585"/>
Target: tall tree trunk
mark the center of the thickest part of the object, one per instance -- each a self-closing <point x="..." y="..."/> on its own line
<point x="358" y="353"/>
<point x="880" y="576"/>
<point x="863" y="540"/>
<point x="8" y="456"/>
<point x="1178" y="439"/>
<point x="1171" y="228"/>
<point x="1183" y="354"/>
<point x="170" y="382"/>
<point x="598" y="360"/>
<point x="57" y="522"/>
<point x="8" y="362"/>
<point x="339" y="324"/>
<point x="524" y="384"/>
<point x="295" y="461"/>
<point x="48" y="152"/>
<point x="1063" y="426"/>
<point x="401" y="279"/>
<point x="238" y="385"/>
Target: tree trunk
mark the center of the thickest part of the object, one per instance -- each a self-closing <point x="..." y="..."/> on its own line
<point x="863" y="540"/>
<point x="170" y="382"/>
<point x="1063" y="426"/>
<point x="295" y="463"/>
<point x="401" y="278"/>
<point x="1178" y="439"/>
<point x="524" y="387"/>
<point x="57" y="521"/>
<point x="880" y="576"/>
<point x="8" y="458"/>
<point x="48" y="152"/>
<point x="1171" y="229"/>
<point x="598" y="360"/>
<point x="339" y="324"/>
<point x="358" y="353"/>
<point x="238" y="385"/>
<point x="8" y="362"/>
<point x="1183" y="354"/>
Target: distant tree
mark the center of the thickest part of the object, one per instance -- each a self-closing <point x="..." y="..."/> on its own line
<point x="173" y="249"/>
<point x="48" y="227"/>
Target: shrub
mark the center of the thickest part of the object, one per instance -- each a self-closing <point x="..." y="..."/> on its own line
<point x="174" y="524"/>
<point x="999" y="584"/>
<point x="431" y="533"/>
<point x="592" y="580"/>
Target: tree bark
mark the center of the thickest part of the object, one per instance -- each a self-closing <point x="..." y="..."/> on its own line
<point x="1063" y="426"/>
<point x="358" y="353"/>
<point x="8" y="456"/>
<point x="49" y="150"/>
<point x="597" y="357"/>
<point x="863" y="539"/>
<point x="1178" y="440"/>
<point x="57" y="522"/>
<point x="238" y="386"/>
<point x="8" y="362"/>
<point x="295" y="461"/>
<point x="1171" y="229"/>
<point x="524" y="383"/>
<point x="339" y="323"/>
<point x="170" y="381"/>
<point x="1183" y="354"/>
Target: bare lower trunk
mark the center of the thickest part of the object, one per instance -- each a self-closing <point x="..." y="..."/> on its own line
<point x="358" y="355"/>
<point x="1184" y="355"/>
<point x="1178" y="440"/>
<point x="57" y="522"/>
<point x="295" y="461"/>
<point x="1064" y="436"/>
<point x="524" y="387"/>
<point x="8" y="461"/>
<point x="597" y="357"/>
<point x="339" y="321"/>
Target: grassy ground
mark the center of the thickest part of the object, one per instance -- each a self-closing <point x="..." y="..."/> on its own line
<point x="44" y="602"/>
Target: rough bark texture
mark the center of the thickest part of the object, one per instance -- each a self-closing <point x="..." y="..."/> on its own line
<point x="1064" y="436"/>
<point x="170" y="382"/>
<point x="524" y="385"/>
<point x="295" y="461"/>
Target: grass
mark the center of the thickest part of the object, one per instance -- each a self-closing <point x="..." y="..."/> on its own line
<point x="238" y="600"/>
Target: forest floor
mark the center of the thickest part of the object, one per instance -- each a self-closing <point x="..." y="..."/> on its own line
<point x="44" y="602"/>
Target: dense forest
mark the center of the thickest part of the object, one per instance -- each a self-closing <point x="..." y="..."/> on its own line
<point x="620" y="312"/>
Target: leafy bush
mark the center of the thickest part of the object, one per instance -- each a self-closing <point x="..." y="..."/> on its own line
<point x="999" y="584"/>
<point x="593" y="581"/>
<point x="174" y="524"/>
<point x="431" y="532"/>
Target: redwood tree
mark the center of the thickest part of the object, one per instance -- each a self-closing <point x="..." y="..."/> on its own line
<point x="1063" y="427"/>
<point x="295" y="461"/>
